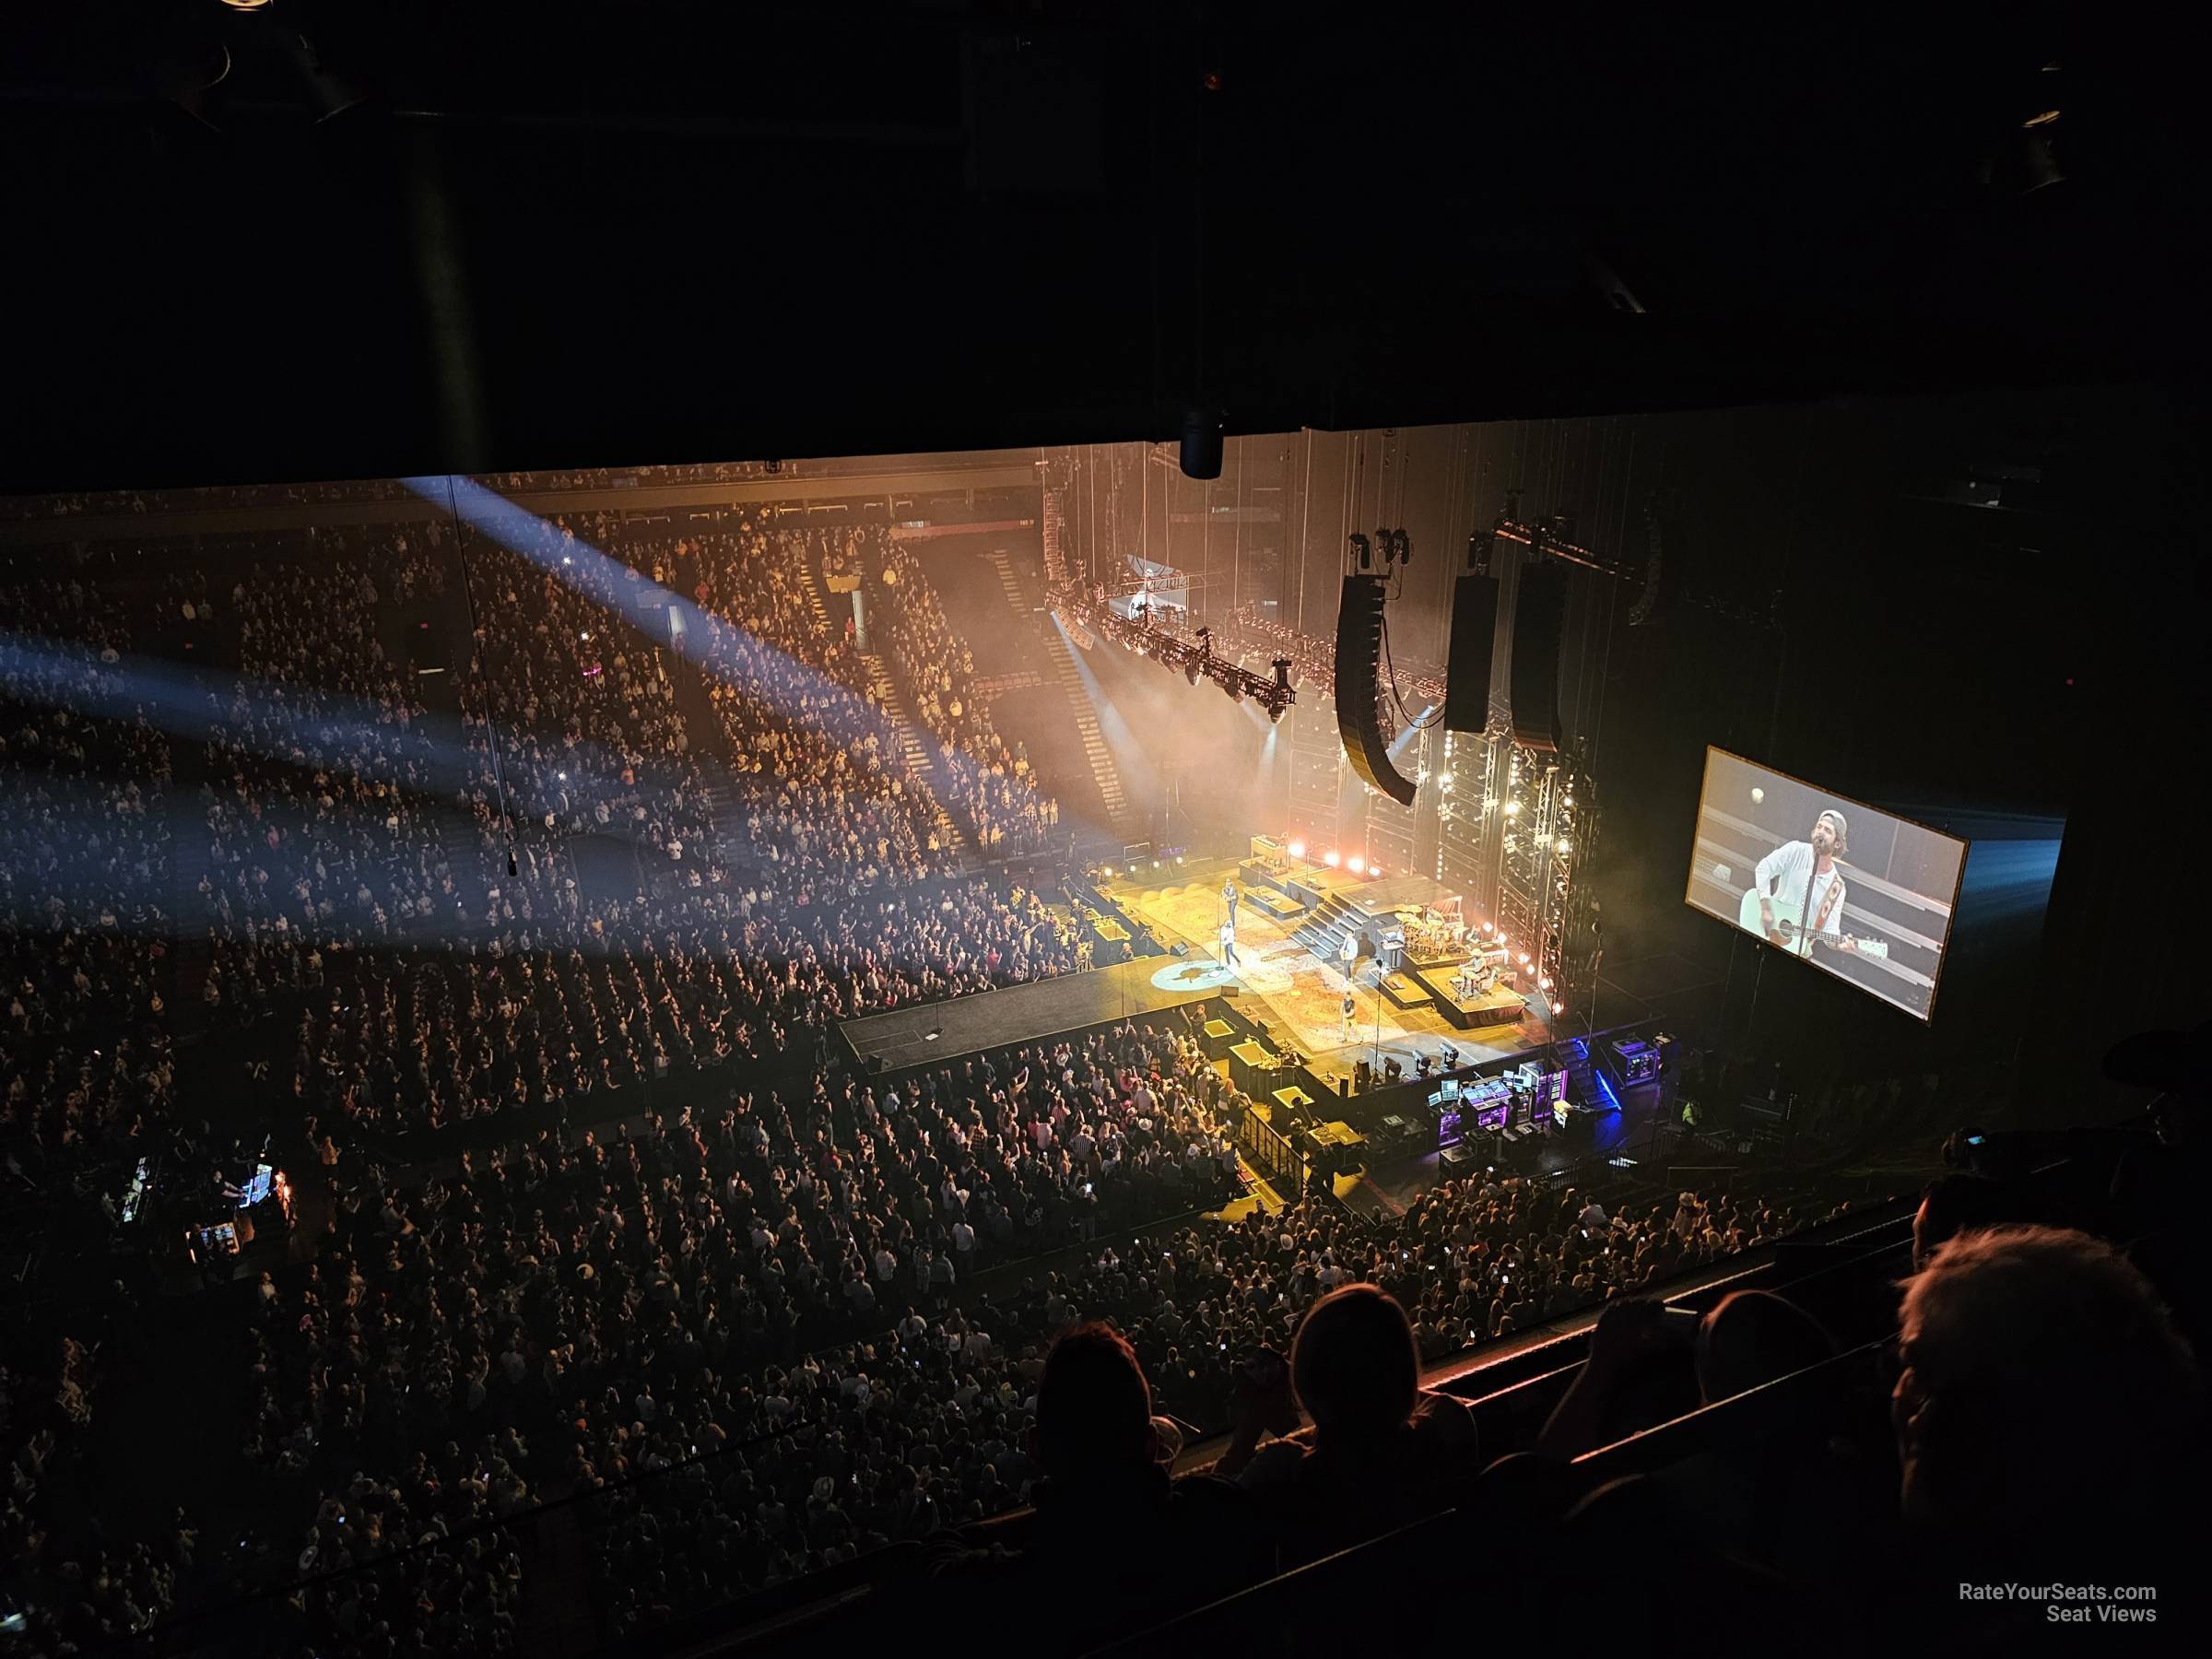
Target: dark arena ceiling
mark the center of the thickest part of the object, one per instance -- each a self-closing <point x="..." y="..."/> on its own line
<point x="316" y="239"/>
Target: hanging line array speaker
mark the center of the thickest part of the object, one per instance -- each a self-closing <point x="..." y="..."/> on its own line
<point x="1359" y="661"/>
<point x="1474" y="639"/>
<point x="1539" y="614"/>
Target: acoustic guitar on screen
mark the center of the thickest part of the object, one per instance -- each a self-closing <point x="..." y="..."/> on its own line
<point x="1789" y="931"/>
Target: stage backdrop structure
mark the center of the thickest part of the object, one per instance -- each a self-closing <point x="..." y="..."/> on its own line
<point x="1516" y="804"/>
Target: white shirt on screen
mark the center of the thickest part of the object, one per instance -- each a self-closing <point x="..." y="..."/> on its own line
<point x="1782" y="875"/>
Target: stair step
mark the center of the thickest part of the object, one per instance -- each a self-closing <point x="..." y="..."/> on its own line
<point x="1103" y="771"/>
<point x="814" y="594"/>
<point x="919" y="759"/>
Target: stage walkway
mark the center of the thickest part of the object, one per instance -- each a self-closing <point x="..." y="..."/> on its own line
<point x="934" y="1033"/>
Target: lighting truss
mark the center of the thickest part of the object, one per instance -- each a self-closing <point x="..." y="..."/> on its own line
<point x="1193" y="657"/>
<point x="1553" y="538"/>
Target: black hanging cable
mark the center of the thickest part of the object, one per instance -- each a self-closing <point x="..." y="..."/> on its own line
<point x="1198" y="377"/>
<point x="1396" y="694"/>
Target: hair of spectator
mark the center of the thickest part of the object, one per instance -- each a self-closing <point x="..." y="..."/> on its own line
<point x="1754" y="1336"/>
<point x="1996" y="1306"/>
<point x="2014" y="1334"/>
<point x="1094" y="1408"/>
<point x="1960" y="1202"/>
<point x="1355" y="1365"/>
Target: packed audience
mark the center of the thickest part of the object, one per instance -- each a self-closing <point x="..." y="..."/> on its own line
<point x="581" y="708"/>
<point x="2045" y="1410"/>
<point x="578" y="1313"/>
<point x="565" y="931"/>
<point x="47" y="1423"/>
<point x="828" y="799"/>
<point x="86" y="889"/>
<point x="703" y="1323"/>
<point x="393" y="904"/>
<point x="715" y="472"/>
<point x="1470" y="1260"/>
<point x="115" y="503"/>
<point x="991" y="783"/>
<point x="439" y="1039"/>
<point x="742" y="918"/>
<point x="110" y="503"/>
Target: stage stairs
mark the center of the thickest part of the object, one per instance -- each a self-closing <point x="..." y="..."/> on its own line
<point x="1581" y="1074"/>
<point x="1324" y="931"/>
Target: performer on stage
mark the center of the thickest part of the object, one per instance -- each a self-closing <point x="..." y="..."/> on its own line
<point x="1229" y="944"/>
<point x="1228" y="897"/>
<point x="1347" y="1013"/>
<point x="1800" y="880"/>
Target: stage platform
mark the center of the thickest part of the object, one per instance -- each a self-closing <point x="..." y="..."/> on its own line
<point x="1019" y="1014"/>
<point x="1276" y="904"/>
<point x="1308" y="885"/>
<point x="1301" y="993"/>
<point x="1494" y="1007"/>
<point x="1407" y="992"/>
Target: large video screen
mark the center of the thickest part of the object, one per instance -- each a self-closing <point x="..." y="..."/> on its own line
<point x="1855" y="891"/>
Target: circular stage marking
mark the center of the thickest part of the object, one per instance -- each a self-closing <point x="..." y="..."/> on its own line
<point x="1193" y="974"/>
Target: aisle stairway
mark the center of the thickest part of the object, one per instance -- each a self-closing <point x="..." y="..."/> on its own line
<point x="188" y="866"/>
<point x="726" y="844"/>
<point x="457" y="844"/>
<point x="921" y="760"/>
<point x="913" y="742"/>
<point x="1102" y="769"/>
<point x="188" y="847"/>
<point x="814" y="594"/>
<point x="1017" y="598"/>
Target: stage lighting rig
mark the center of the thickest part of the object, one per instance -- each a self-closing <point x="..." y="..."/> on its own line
<point x="1138" y="631"/>
<point x="1203" y="662"/>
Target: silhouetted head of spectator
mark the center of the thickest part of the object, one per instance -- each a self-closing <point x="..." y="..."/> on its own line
<point x="1094" y="1410"/>
<point x="1355" y="1365"/>
<point x="2044" y="1393"/>
<point x="2171" y="1063"/>
<point x="1959" y="1202"/>
<point x="1751" y="1338"/>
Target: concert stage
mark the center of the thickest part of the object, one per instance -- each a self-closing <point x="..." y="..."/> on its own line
<point x="932" y="1033"/>
<point x="1301" y="988"/>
